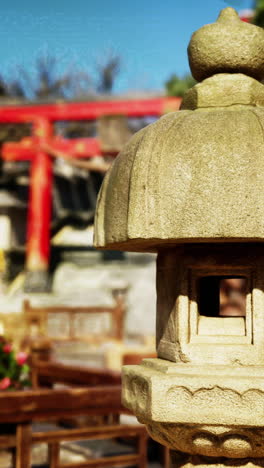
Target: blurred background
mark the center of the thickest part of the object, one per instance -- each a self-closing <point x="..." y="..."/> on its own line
<point x="84" y="67"/>
<point x="77" y="80"/>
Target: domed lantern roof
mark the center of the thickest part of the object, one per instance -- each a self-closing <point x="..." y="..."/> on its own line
<point x="196" y="175"/>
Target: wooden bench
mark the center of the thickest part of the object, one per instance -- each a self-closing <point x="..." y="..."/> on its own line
<point x="24" y="408"/>
<point x="91" y="399"/>
<point x="70" y="323"/>
<point x="76" y="334"/>
<point x="64" y="324"/>
<point x="46" y="374"/>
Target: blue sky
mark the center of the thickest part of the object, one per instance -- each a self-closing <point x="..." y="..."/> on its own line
<point x="151" y="36"/>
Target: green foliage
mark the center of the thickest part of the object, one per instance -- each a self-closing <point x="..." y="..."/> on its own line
<point x="176" y="86"/>
<point x="14" y="372"/>
<point x="259" y="13"/>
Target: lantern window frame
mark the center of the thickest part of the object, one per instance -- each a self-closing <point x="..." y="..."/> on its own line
<point x="197" y="330"/>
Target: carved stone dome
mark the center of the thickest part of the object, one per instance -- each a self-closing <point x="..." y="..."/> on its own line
<point x="227" y="46"/>
<point x="196" y="175"/>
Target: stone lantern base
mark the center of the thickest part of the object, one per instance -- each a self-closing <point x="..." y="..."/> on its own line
<point x="171" y="397"/>
<point x="183" y="460"/>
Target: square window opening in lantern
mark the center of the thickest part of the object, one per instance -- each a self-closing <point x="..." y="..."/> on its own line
<point x="220" y="305"/>
<point x="222" y="296"/>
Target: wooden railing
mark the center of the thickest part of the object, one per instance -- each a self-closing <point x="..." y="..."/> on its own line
<point x="24" y="408"/>
<point x="50" y="373"/>
<point x="37" y="318"/>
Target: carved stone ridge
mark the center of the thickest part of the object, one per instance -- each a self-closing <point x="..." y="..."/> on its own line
<point x="212" y="441"/>
<point x="180" y="397"/>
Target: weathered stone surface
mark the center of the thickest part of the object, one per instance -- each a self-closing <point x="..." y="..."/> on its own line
<point x="190" y="187"/>
<point x="191" y="176"/>
<point x="183" y="460"/>
<point x="224" y="90"/>
<point x="225" y="441"/>
<point x="179" y="335"/>
<point x="196" y="176"/>
<point x="186" y="394"/>
<point x="227" y="46"/>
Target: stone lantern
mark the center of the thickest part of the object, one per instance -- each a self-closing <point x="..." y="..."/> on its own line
<point x="191" y="188"/>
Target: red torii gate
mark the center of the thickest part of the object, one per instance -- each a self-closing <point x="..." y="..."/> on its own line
<point x="38" y="149"/>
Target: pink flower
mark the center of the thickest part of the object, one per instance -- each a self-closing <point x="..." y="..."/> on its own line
<point x="7" y="348"/>
<point x="21" y="358"/>
<point x="5" y="383"/>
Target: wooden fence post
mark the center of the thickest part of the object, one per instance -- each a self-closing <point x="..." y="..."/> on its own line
<point x="23" y="445"/>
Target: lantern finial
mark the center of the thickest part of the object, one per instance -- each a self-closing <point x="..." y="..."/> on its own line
<point x="227" y="15"/>
<point x="227" y="46"/>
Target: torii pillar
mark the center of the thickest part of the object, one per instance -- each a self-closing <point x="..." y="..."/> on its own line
<point x="36" y="149"/>
<point x="39" y="211"/>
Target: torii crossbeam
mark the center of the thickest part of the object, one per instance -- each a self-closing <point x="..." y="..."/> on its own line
<point x="39" y="148"/>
